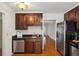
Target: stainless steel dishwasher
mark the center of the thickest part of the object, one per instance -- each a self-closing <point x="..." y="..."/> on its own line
<point x="18" y="46"/>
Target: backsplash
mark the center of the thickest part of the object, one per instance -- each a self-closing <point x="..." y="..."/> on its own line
<point x="31" y="30"/>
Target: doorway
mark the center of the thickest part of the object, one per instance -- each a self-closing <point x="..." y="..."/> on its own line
<point x="0" y="34"/>
<point x="50" y="30"/>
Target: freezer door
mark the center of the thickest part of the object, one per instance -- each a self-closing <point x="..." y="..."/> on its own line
<point x="60" y="37"/>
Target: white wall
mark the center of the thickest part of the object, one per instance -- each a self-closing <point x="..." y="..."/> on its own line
<point x="8" y="29"/>
<point x="50" y="29"/>
<point x="46" y="25"/>
<point x="59" y="17"/>
<point x="31" y="30"/>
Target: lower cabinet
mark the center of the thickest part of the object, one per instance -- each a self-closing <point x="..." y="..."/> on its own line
<point x="27" y="45"/>
<point x="37" y="47"/>
<point x="33" y="46"/>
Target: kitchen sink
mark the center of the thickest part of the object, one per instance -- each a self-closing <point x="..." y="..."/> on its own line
<point x="26" y="36"/>
<point x="34" y="37"/>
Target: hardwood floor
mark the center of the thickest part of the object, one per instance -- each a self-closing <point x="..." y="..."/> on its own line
<point x="48" y="51"/>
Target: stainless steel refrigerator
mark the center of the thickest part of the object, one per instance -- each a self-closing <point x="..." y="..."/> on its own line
<point x="60" y="37"/>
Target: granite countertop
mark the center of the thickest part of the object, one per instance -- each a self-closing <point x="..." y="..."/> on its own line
<point x="27" y="36"/>
<point x="74" y="44"/>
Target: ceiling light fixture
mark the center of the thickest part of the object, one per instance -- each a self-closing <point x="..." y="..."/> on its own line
<point x="22" y="5"/>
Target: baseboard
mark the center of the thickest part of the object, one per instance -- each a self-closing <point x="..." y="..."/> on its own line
<point x="60" y="52"/>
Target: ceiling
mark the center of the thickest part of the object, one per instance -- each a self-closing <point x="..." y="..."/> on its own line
<point x="45" y="7"/>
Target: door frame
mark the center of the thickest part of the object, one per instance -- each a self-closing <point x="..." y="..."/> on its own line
<point x="3" y="33"/>
<point x="55" y="29"/>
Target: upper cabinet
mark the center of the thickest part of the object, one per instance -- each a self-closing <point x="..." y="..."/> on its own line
<point x="73" y="15"/>
<point x="20" y="22"/>
<point x="34" y="19"/>
<point x="23" y="20"/>
<point x="77" y="17"/>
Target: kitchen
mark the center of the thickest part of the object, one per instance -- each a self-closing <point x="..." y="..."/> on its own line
<point x="31" y="42"/>
<point x="30" y="34"/>
<point x="72" y="28"/>
<point x="39" y="30"/>
<point x="71" y="25"/>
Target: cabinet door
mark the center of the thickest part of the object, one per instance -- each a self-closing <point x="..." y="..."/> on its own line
<point x="20" y="22"/>
<point x="28" y="46"/>
<point x="37" y="47"/>
<point x="25" y="23"/>
<point x="38" y="19"/>
<point x="77" y="17"/>
<point x="33" y="19"/>
<point x="72" y="14"/>
<point x="30" y="19"/>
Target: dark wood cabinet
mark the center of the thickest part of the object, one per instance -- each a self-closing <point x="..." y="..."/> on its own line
<point x="34" y="19"/>
<point x="37" y="47"/>
<point x="20" y="22"/>
<point x="23" y="20"/>
<point x="30" y="19"/>
<point x="73" y="15"/>
<point x="29" y="46"/>
<point x="33" y="45"/>
<point x="77" y="17"/>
